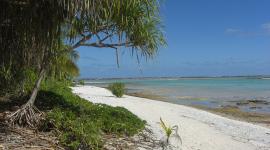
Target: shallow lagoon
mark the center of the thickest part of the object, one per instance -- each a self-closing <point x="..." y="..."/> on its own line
<point x="209" y="92"/>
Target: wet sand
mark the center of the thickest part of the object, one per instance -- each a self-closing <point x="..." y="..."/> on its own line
<point x="232" y="112"/>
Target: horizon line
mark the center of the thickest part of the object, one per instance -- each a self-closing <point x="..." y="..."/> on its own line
<point x="160" y="77"/>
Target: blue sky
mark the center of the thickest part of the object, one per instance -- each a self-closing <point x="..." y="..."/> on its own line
<point x="205" y="38"/>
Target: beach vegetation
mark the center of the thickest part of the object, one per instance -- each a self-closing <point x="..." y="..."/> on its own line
<point x="117" y="89"/>
<point x="79" y="123"/>
<point x="166" y="129"/>
<point x="172" y="138"/>
<point x="76" y="122"/>
<point x="38" y="63"/>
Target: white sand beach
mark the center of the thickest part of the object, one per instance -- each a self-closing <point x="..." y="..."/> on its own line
<point x="199" y="130"/>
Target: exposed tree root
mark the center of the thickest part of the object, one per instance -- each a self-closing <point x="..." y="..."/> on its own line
<point x="28" y="116"/>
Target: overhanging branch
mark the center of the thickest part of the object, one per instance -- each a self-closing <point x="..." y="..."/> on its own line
<point x="84" y="39"/>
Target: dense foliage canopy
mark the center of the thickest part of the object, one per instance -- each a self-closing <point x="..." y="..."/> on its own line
<point x="32" y="32"/>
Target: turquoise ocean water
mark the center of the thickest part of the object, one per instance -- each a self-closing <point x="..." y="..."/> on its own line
<point x="210" y="92"/>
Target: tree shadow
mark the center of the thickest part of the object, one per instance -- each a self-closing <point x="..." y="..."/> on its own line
<point x="45" y="101"/>
<point x="11" y="103"/>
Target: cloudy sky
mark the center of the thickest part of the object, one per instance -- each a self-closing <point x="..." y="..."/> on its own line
<point x="205" y="38"/>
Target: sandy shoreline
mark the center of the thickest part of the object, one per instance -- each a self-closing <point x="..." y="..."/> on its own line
<point x="228" y="111"/>
<point x="198" y="129"/>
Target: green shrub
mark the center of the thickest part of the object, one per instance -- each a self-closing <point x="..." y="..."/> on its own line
<point x="118" y="89"/>
<point x="81" y="122"/>
<point x="81" y="82"/>
<point x="30" y="78"/>
<point x="16" y="84"/>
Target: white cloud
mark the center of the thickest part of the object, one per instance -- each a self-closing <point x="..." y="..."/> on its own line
<point x="232" y="31"/>
<point x="266" y="27"/>
<point x="263" y="31"/>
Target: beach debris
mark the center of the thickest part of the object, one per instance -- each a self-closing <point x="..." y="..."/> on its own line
<point x="145" y="140"/>
<point x="171" y="140"/>
<point x="25" y="139"/>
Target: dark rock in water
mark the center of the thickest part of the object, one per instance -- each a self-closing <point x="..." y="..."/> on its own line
<point x="252" y="102"/>
<point x="259" y="102"/>
<point x="254" y="107"/>
<point x="242" y="103"/>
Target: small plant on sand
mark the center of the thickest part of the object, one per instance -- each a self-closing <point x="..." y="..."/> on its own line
<point x="166" y="129"/>
<point x="81" y="82"/>
<point x="118" y="89"/>
<point x="172" y="139"/>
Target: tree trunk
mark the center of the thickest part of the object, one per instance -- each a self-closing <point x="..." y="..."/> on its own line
<point x="32" y="99"/>
<point x="28" y="114"/>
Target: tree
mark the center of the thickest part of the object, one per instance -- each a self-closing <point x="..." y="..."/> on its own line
<point x="63" y="66"/>
<point x="33" y="30"/>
